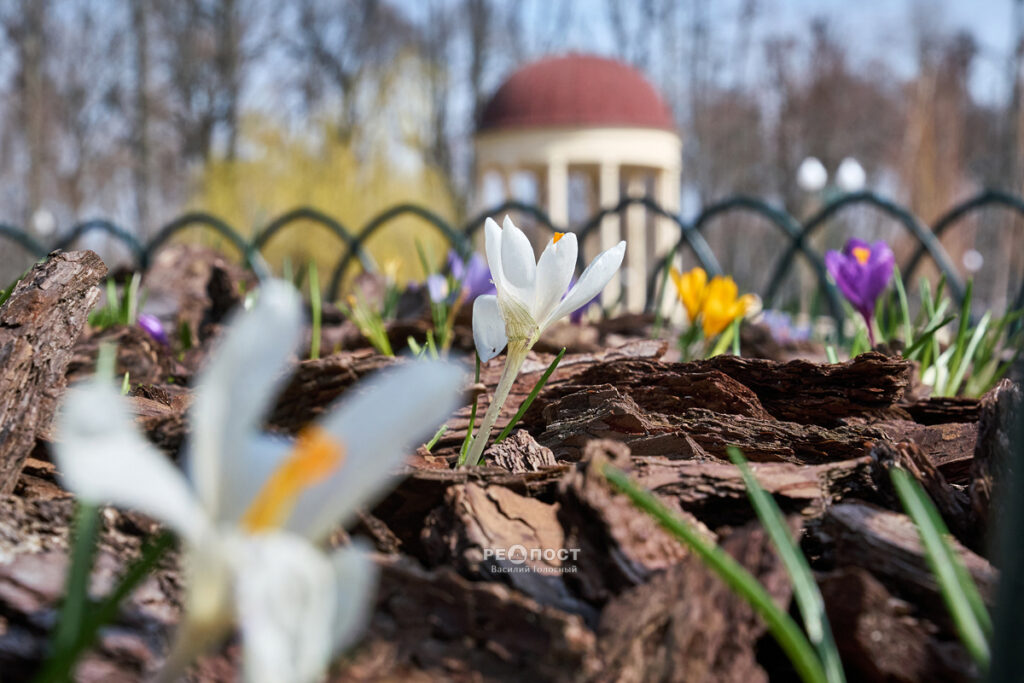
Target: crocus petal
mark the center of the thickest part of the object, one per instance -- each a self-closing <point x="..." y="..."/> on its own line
<point x="153" y="327"/>
<point x="264" y="453"/>
<point x="437" y="287"/>
<point x="357" y="578"/>
<point x="690" y="287"/>
<point x="492" y="245"/>
<point x="488" y="327"/>
<point x="286" y="592"/>
<point x="554" y="272"/>
<point x="102" y="458"/>
<point x="238" y="387"/>
<point x="721" y="305"/>
<point x="518" y="264"/>
<point x="378" y="427"/>
<point x="478" y="278"/>
<point x="880" y="269"/>
<point x="844" y="272"/>
<point x="591" y="282"/>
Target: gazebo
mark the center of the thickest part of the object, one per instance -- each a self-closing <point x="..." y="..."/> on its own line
<point x="599" y="119"/>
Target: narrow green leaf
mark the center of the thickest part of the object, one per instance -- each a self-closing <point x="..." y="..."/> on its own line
<point x="437" y="437"/>
<point x="830" y="354"/>
<point x="957" y="377"/>
<point x="76" y="596"/>
<point x="959" y="343"/>
<point x="901" y="294"/>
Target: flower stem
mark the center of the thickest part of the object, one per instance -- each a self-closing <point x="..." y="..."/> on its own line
<point x="514" y="360"/>
<point x="871" y="329"/>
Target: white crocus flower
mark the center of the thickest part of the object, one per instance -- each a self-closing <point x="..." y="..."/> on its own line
<point x="531" y="296"/>
<point x="254" y="505"/>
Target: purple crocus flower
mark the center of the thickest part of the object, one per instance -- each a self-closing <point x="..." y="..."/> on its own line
<point x="154" y="328"/>
<point x="474" y="276"/>
<point x="862" y="271"/>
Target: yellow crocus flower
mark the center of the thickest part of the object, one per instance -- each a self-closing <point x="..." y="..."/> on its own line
<point x="691" y="287"/>
<point x="722" y="305"/>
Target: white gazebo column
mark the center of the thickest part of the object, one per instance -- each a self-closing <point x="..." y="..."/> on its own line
<point x="666" y="232"/>
<point x="558" y="192"/>
<point x="666" y="236"/>
<point x="636" y="245"/>
<point x="611" y="232"/>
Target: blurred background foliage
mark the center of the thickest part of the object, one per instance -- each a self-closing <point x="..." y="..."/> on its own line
<point x="282" y="170"/>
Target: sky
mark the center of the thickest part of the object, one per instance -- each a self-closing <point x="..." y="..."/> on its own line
<point x="877" y="29"/>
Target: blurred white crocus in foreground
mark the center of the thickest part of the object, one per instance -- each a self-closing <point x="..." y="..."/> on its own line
<point x="531" y="296"/>
<point x="254" y="505"/>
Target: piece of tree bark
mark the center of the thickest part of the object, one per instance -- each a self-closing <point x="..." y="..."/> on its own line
<point x="421" y="491"/>
<point x="667" y="388"/>
<point x="880" y="640"/>
<point x="685" y="624"/>
<point x="570" y="366"/>
<point x="952" y="503"/>
<point x="619" y="545"/>
<point x="447" y="627"/>
<point x="941" y="409"/>
<point x="494" y="534"/>
<point x="715" y="493"/>
<point x="886" y="544"/>
<point x="948" y="445"/>
<point x="39" y="325"/>
<point x="1001" y="411"/>
<point x="603" y="412"/>
<point x="520" y="453"/>
<point x="819" y="393"/>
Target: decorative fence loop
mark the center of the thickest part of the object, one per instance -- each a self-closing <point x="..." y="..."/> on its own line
<point x="691" y="236"/>
<point x="103" y="225"/>
<point x="458" y="240"/>
<point x="250" y="254"/>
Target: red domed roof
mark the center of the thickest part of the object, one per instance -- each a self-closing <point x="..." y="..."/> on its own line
<point x="576" y="90"/>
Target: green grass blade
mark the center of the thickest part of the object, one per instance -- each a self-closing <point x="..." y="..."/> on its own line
<point x="926" y="336"/>
<point x="959" y="343"/>
<point x="901" y="294"/>
<point x="957" y="377"/>
<point x="74" y="609"/>
<point x="529" y="399"/>
<point x="60" y="666"/>
<point x="970" y="617"/>
<point x="805" y="588"/>
<point x="789" y="636"/>
<point x="830" y="354"/>
<point x="437" y="437"/>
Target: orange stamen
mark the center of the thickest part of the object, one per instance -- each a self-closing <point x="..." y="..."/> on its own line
<point x="315" y="456"/>
<point x="558" y="236"/>
<point x="862" y="254"/>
